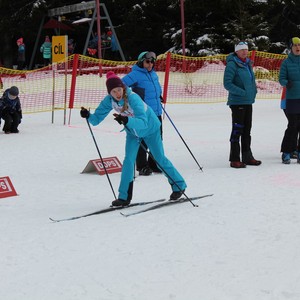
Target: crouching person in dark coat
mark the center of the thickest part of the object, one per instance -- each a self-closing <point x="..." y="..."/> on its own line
<point x="10" y="110"/>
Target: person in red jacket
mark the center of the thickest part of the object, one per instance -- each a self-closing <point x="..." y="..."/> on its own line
<point x="21" y="54"/>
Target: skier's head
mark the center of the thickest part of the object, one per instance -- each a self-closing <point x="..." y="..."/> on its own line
<point x="113" y="81"/>
<point x="13" y="92"/>
<point x="148" y="57"/>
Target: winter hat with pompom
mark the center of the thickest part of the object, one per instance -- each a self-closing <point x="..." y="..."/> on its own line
<point x="113" y="81"/>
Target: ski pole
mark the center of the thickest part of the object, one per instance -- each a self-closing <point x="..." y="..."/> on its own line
<point x="182" y="138"/>
<point x="101" y="159"/>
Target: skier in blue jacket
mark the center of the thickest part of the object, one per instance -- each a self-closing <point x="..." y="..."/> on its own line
<point x="140" y="123"/>
<point x="239" y="81"/>
<point x="144" y="81"/>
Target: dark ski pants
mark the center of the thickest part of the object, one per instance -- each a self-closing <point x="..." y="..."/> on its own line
<point x="240" y="138"/>
<point x="143" y="159"/>
<point x="12" y="121"/>
<point x="290" y="139"/>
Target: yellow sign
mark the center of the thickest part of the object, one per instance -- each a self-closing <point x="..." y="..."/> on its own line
<point x="59" y="47"/>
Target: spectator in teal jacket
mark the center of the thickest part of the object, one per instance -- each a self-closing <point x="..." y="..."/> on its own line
<point x="289" y="77"/>
<point x="239" y="81"/>
<point x="46" y="49"/>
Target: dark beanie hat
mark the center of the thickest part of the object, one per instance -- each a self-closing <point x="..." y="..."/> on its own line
<point x="113" y="81"/>
<point x="14" y="91"/>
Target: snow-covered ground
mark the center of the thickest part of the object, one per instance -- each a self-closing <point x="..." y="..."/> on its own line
<point x="240" y="244"/>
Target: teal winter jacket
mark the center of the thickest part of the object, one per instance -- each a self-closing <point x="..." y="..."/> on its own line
<point x="290" y="72"/>
<point x="142" y="120"/>
<point x="46" y="49"/>
<point x="239" y="81"/>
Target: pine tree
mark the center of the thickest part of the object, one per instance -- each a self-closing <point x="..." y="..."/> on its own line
<point x="210" y="26"/>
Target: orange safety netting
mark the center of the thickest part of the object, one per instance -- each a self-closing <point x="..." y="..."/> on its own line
<point x="80" y="80"/>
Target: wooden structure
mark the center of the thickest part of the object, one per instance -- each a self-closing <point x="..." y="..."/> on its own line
<point x="57" y="13"/>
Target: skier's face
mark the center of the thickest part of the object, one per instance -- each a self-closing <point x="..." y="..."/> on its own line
<point x="117" y="93"/>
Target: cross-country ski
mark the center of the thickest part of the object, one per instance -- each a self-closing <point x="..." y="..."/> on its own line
<point x="164" y="204"/>
<point x="106" y="210"/>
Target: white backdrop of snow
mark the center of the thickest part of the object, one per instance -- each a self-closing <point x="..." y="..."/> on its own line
<point x="242" y="243"/>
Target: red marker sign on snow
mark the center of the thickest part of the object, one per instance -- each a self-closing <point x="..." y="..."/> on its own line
<point x="112" y="165"/>
<point x="6" y="188"/>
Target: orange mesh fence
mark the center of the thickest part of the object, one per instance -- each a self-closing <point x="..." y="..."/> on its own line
<point x="196" y="79"/>
<point x="40" y="90"/>
<point x="200" y="79"/>
<point x="266" y="69"/>
<point x="80" y="80"/>
<point x="90" y="77"/>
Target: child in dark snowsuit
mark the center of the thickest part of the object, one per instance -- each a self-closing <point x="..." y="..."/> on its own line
<point x="10" y="110"/>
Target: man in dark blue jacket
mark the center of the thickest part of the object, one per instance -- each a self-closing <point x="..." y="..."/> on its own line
<point x="144" y="81"/>
<point x="10" y="110"/>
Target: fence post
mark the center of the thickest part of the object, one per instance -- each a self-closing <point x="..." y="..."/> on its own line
<point x="253" y="52"/>
<point x="167" y="75"/>
<point x="73" y="84"/>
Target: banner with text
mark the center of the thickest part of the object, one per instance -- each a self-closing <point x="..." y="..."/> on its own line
<point x="6" y="187"/>
<point x="59" y="47"/>
<point x="111" y="164"/>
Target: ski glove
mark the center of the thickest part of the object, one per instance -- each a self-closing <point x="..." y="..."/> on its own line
<point x="289" y="84"/>
<point x="84" y="113"/>
<point x="121" y="119"/>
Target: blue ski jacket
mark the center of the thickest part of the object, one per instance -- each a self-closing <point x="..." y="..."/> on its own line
<point x="147" y="85"/>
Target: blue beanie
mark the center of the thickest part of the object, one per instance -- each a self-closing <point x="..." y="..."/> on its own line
<point x="142" y="56"/>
